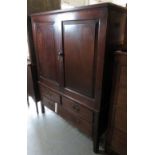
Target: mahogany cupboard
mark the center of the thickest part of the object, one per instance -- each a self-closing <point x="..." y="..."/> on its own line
<point x="73" y="49"/>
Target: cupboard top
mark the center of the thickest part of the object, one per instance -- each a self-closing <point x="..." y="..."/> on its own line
<point x="110" y="5"/>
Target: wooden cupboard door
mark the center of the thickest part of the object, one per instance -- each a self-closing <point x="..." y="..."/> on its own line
<point x="79" y="39"/>
<point x="46" y="50"/>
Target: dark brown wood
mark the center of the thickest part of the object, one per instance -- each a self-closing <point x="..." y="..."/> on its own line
<point x="32" y="68"/>
<point x="77" y="59"/>
<point x="116" y="139"/>
<point x="34" y="6"/>
<point x="89" y="7"/>
<point x="46" y="52"/>
<point x="96" y="132"/>
<point x="31" y="87"/>
<point x="73" y="49"/>
<point x="42" y="108"/>
<point x="78" y="122"/>
<point x="77" y="109"/>
<point x="49" y="94"/>
<point x="49" y="103"/>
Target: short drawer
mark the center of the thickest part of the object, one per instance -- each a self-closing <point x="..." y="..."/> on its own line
<point x="77" y="109"/>
<point x="50" y="104"/>
<point x="50" y="94"/>
<point x="81" y="124"/>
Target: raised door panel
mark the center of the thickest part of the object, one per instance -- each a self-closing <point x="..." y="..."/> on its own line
<point x="46" y="51"/>
<point x="80" y="41"/>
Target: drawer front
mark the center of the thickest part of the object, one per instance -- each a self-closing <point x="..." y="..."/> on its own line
<point x="77" y="109"/>
<point x="84" y="126"/>
<point x="81" y="124"/>
<point x="50" y="104"/>
<point x="49" y="94"/>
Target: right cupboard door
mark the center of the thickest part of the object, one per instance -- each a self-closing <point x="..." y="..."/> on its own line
<point x="80" y="58"/>
<point x="83" y="52"/>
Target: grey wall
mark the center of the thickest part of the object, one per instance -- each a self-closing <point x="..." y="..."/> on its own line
<point x="34" y="6"/>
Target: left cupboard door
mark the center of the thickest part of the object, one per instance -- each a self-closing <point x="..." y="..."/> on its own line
<point x="44" y="34"/>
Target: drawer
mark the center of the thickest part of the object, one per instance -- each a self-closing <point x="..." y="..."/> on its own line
<point x="50" y="104"/>
<point x="77" y="109"/>
<point x="84" y="126"/>
<point x="49" y="94"/>
<point x="81" y="124"/>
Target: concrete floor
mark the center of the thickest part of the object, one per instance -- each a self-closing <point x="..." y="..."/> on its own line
<point x="49" y="134"/>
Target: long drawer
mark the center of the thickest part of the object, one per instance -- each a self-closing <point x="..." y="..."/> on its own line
<point x="50" y="94"/>
<point x="81" y="124"/>
<point x="77" y="109"/>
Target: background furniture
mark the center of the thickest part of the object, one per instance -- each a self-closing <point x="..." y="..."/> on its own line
<point x="73" y="49"/>
<point x="34" y="6"/>
<point x="116" y="139"/>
